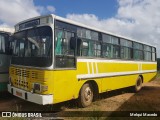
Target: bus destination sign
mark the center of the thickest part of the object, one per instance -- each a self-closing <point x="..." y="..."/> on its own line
<point x="29" y="24"/>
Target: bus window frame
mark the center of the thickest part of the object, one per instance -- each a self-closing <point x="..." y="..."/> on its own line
<point x="75" y="51"/>
<point x="102" y="43"/>
<point x="35" y="58"/>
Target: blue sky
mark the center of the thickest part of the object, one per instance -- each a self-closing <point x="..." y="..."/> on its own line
<point x="101" y="8"/>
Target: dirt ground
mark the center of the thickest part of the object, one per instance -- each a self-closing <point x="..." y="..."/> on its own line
<point x="148" y="99"/>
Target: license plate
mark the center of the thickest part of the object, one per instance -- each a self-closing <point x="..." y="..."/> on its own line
<point x="18" y="93"/>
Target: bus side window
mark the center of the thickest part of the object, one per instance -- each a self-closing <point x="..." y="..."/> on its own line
<point x="2" y="44"/>
<point x="66" y="43"/>
<point x="58" y="42"/>
<point x="65" y="55"/>
<point x="91" y="51"/>
<point x="84" y="48"/>
<point x="107" y="50"/>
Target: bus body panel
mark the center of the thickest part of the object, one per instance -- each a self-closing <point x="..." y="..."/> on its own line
<point x="149" y="77"/>
<point x="66" y="84"/>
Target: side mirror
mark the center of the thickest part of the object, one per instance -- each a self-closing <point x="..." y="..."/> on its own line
<point x="74" y="43"/>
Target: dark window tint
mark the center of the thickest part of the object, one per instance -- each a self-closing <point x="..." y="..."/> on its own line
<point x="138" y="54"/>
<point x="2" y="44"/>
<point x="111" y="51"/>
<point x="126" y="53"/>
<point x="138" y="46"/>
<point x="65" y="56"/>
<point x="126" y="43"/>
<point x="33" y="47"/>
<point x="110" y="39"/>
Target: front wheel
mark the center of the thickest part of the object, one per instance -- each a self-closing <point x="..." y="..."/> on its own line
<point x="86" y="95"/>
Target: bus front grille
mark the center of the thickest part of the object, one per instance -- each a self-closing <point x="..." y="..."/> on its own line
<point x="21" y="84"/>
<point x="22" y="77"/>
<point x="22" y="72"/>
<point x="25" y="73"/>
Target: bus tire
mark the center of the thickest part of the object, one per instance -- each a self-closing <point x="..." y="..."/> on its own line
<point x="138" y="84"/>
<point x="86" y="95"/>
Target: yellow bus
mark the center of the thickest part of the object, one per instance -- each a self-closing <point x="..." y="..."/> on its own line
<point x="56" y="59"/>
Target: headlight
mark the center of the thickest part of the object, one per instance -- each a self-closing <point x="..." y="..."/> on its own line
<point x="37" y="87"/>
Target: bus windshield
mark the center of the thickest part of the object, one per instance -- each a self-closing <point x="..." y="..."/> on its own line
<point x="33" y="47"/>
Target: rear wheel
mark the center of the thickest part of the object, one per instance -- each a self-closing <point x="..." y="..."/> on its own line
<point x="86" y="95"/>
<point x="138" y="84"/>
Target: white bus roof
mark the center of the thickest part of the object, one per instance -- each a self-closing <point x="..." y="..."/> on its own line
<point x="6" y="29"/>
<point x="85" y="26"/>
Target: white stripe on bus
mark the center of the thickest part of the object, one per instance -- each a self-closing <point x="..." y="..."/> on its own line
<point x="96" y="67"/>
<point x="92" y="67"/>
<point x="113" y="61"/>
<point x="85" y="76"/>
<point x="88" y="68"/>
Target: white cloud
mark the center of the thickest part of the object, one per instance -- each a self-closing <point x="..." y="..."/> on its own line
<point x="4" y="25"/>
<point x="14" y="11"/>
<point x="45" y="10"/>
<point x="138" y="19"/>
<point x="17" y="10"/>
<point x="51" y="9"/>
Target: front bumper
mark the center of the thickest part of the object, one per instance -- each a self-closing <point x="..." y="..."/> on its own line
<point x="32" y="97"/>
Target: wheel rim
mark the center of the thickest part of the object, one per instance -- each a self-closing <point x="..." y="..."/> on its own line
<point x="88" y="94"/>
<point x="139" y="83"/>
